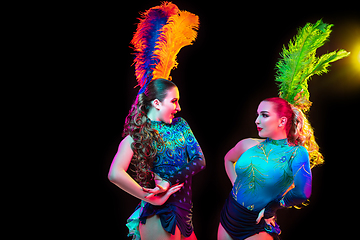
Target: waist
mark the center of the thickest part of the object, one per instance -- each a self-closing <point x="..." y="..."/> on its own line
<point x="253" y="201"/>
<point x="242" y="209"/>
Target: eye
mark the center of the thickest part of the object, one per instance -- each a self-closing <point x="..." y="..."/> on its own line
<point x="264" y="115"/>
<point x="174" y="100"/>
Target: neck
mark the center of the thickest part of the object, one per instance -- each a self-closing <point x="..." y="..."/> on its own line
<point x="279" y="135"/>
<point x="153" y="115"/>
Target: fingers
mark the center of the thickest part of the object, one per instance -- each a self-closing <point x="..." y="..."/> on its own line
<point x="160" y="199"/>
<point x="261" y="214"/>
<point x="149" y="190"/>
<point x="155" y="191"/>
<point x="270" y="221"/>
<point x="161" y="188"/>
<point x="175" y="188"/>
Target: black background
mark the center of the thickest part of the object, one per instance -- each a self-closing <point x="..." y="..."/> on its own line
<point x="221" y="78"/>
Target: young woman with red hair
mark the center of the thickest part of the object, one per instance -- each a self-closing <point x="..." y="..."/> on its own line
<point x="275" y="172"/>
<point x="268" y="174"/>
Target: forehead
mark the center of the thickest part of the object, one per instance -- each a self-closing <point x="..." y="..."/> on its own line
<point x="266" y="107"/>
<point x="173" y="93"/>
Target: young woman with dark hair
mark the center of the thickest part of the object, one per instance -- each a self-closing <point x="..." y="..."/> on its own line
<point x="162" y="149"/>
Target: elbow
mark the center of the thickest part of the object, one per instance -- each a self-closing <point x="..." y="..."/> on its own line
<point x="111" y="176"/>
<point x="203" y="162"/>
<point x="200" y="161"/>
<point x="115" y="176"/>
<point x="305" y="195"/>
<point x="226" y="160"/>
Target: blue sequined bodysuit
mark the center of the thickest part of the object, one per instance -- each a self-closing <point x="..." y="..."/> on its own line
<point x="267" y="170"/>
<point x="180" y="158"/>
<point x="265" y="173"/>
<point x="176" y="161"/>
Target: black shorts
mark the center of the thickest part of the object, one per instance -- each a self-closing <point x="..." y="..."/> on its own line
<point x="240" y="223"/>
<point x="171" y="215"/>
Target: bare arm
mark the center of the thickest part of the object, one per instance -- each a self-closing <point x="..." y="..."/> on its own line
<point x="234" y="154"/>
<point x="117" y="173"/>
<point x="119" y="176"/>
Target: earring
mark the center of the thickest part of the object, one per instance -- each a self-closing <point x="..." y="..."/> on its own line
<point x="280" y="125"/>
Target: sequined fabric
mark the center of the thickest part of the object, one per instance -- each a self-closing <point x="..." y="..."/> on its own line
<point x="267" y="170"/>
<point x="176" y="161"/>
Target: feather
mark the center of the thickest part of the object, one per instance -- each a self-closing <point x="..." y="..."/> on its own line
<point x="299" y="63"/>
<point x="161" y="33"/>
<point x="180" y="31"/>
<point x="145" y="41"/>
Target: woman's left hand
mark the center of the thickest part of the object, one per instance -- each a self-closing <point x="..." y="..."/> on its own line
<point x="269" y="221"/>
<point x="161" y="186"/>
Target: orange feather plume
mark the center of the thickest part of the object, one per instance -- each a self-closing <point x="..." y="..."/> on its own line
<point x="180" y="31"/>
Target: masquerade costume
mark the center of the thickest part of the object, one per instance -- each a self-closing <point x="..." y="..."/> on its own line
<point x="177" y="161"/>
<point x="275" y="173"/>
<point x="161" y="33"/>
<point x="264" y="173"/>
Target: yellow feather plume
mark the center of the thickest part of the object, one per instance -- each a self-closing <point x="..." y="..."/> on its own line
<point x="180" y="31"/>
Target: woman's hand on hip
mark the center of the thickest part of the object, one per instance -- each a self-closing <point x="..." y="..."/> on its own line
<point x="269" y="221"/>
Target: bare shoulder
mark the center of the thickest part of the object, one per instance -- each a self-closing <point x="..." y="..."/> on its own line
<point x="125" y="144"/>
<point x="127" y="140"/>
<point x="241" y="147"/>
<point x="247" y="143"/>
<point x="123" y="156"/>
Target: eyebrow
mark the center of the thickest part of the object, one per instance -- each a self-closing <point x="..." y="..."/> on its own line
<point x="262" y="112"/>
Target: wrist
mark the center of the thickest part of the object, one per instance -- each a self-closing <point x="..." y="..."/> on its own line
<point x="164" y="185"/>
<point x="168" y="183"/>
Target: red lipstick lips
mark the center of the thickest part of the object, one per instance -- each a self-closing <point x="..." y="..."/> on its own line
<point x="259" y="129"/>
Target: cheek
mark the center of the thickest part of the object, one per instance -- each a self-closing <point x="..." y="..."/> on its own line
<point x="269" y="124"/>
<point x="265" y="122"/>
<point x="167" y="109"/>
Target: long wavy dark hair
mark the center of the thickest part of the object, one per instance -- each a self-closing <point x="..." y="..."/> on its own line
<point x="138" y="126"/>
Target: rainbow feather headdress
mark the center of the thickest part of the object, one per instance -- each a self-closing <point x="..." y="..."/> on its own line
<point x="299" y="63"/>
<point x="161" y="33"/>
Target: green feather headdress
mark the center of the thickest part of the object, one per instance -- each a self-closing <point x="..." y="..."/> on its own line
<point x="299" y="63"/>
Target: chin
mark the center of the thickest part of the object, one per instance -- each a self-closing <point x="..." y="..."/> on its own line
<point x="168" y="121"/>
<point x="262" y="135"/>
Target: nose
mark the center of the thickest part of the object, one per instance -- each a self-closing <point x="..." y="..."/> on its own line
<point x="178" y="108"/>
<point x="257" y="120"/>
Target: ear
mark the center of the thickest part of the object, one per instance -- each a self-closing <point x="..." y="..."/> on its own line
<point x="282" y="121"/>
<point x="156" y="104"/>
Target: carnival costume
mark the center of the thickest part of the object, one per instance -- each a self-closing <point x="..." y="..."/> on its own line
<point x="163" y="30"/>
<point x="275" y="173"/>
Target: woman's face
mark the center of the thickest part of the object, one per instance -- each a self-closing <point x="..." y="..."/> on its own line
<point x="269" y="125"/>
<point x="169" y="106"/>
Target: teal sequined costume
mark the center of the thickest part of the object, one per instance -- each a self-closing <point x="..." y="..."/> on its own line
<point x="264" y="174"/>
<point x="177" y="161"/>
